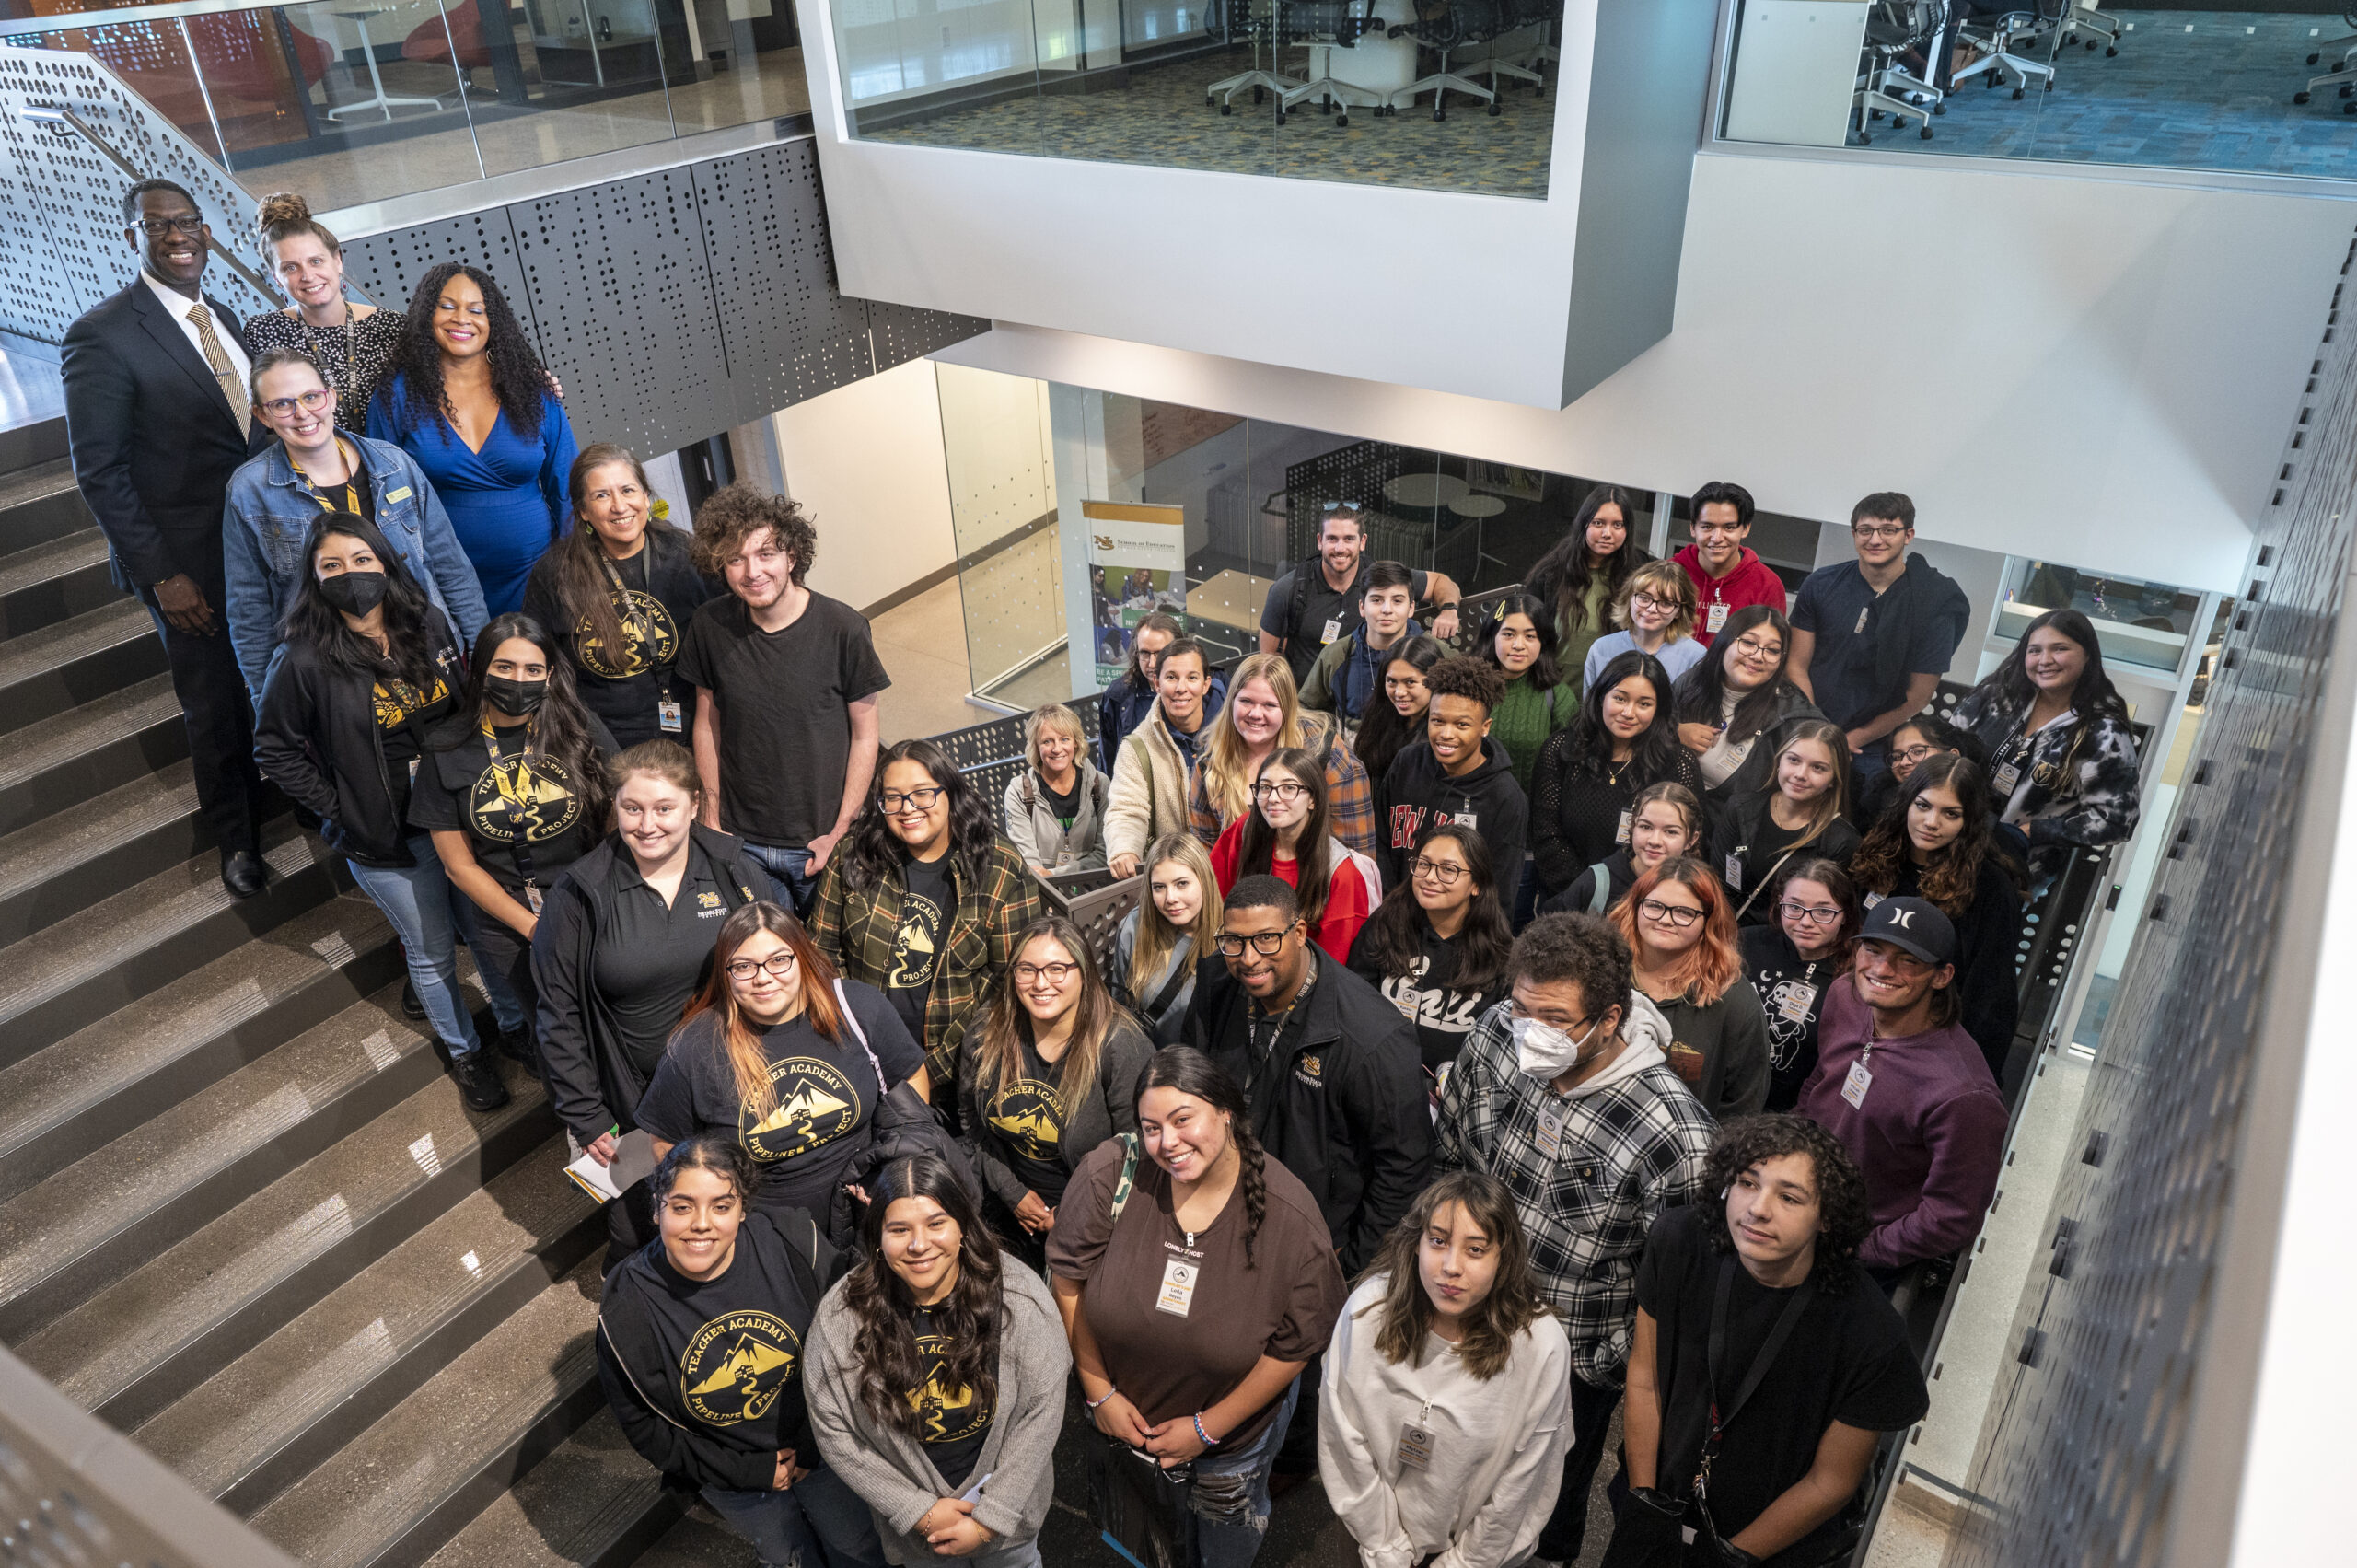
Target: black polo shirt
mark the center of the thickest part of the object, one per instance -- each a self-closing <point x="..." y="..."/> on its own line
<point x="656" y="957"/>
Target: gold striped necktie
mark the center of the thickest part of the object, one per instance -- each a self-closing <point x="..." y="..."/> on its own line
<point x="223" y="371"/>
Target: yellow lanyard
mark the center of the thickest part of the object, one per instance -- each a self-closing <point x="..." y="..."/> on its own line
<point x="352" y="474"/>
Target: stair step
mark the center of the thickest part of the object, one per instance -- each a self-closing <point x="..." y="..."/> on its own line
<point x="592" y="1503"/>
<point x="81" y="1228"/>
<point x="53" y="582"/>
<point x="56" y="764"/>
<point x="258" y="1425"/>
<point x="40" y="504"/>
<point x="213" y="1291"/>
<point x="398" y="1492"/>
<point x="698" y="1541"/>
<point x="59" y="668"/>
<point x="138" y="1061"/>
<point x="142" y="938"/>
<point x="62" y="865"/>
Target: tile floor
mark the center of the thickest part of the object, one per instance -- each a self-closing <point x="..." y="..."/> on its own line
<point x="924" y="649"/>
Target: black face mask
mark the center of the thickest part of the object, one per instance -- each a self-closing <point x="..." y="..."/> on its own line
<point x="354" y="593"/>
<point x="521" y="699"/>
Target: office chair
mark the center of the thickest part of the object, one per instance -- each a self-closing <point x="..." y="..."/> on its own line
<point x="1529" y="65"/>
<point x="2345" y="78"/>
<point x="1996" y="36"/>
<point x="1453" y="25"/>
<point x="1328" y="25"/>
<point x="1894" y="29"/>
<point x="1256" y="20"/>
<point x="2102" y="24"/>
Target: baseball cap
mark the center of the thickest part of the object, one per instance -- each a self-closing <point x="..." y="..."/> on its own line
<point x="1913" y="925"/>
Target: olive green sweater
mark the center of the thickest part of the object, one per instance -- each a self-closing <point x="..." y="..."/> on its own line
<point x="1522" y="722"/>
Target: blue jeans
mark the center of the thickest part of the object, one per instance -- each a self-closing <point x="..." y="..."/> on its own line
<point x="1228" y="1505"/>
<point x="416" y="902"/>
<point x="497" y="952"/>
<point x="790" y="869"/>
<point x="820" y="1523"/>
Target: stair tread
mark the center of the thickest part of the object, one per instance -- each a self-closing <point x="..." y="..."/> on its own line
<point x="271" y="1394"/>
<point x="92" y="632"/>
<point x="432" y="1443"/>
<point x="569" y="1509"/>
<point x="98" y="1347"/>
<point x="697" y="1541"/>
<point x="43" y="562"/>
<point x="97" y="939"/>
<point x="96" y="1062"/>
<point x="50" y="848"/>
<point x="62" y="738"/>
<point x="34" y="483"/>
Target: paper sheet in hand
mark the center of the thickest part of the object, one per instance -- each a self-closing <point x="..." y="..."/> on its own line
<point x="593" y="1178"/>
<point x="633" y="1163"/>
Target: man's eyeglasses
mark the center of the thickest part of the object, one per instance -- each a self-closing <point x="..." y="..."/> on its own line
<point x="893" y="800"/>
<point x="1752" y="647"/>
<point x="1265" y="943"/>
<point x="1286" y="790"/>
<point x="156" y="228"/>
<point x="1888" y="531"/>
<point x="310" y="402"/>
<point x="780" y="965"/>
<point x="1445" y="872"/>
<point x="1660" y="914"/>
<point x="1054" y="974"/>
<point x="1817" y="914"/>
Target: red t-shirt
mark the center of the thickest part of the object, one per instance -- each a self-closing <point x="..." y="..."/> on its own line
<point x="1753" y="581"/>
<point x="1349" y="897"/>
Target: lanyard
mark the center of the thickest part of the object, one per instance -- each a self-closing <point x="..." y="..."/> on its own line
<point x="521" y="849"/>
<point x="1254" y="1017"/>
<point x="351" y="478"/>
<point x="645" y="558"/>
<point x="1785" y="1322"/>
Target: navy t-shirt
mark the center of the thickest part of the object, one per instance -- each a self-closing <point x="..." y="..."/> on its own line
<point x="1843" y="613"/>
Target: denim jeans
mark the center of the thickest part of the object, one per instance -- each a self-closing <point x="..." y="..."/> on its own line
<point x="790" y="869"/>
<point x="416" y="902"/>
<point x="1228" y="1505"/>
<point x="503" y="962"/>
<point x="818" y="1523"/>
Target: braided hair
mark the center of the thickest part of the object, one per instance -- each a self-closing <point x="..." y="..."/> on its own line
<point x="1196" y="1076"/>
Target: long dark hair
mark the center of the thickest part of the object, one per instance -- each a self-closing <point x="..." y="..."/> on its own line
<point x="1010" y="1026"/>
<point x="1543" y="672"/>
<point x="1406" y="1308"/>
<point x="518" y="379"/>
<point x="749" y="1064"/>
<point x="1383" y="734"/>
<point x="1701" y="690"/>
<point x="876" y="850"/>
<point x="1563" y="576"/>
<point x="1188" y="1070"/>
<point x="1835" y="879"/>
<point x="1390" y="938"/>
<point x="1656" y="750"/>
<point x="313" y="621"/>
<point x="1954" y="871"/>
<point x="1313" y="851"/>
<point x="559" y="731"/>
<point x="2092" y="698"/>
<point x="583" y="593"/>
<point x="969" y="1320"/>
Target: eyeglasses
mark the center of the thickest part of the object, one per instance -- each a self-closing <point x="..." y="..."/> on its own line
<point x="1647" y="601"/>
<point x="1054" y="974"/>
<point x="1286" y="790"/>
<point x="893" y="800"/>
<point x="1576" y="1026"/>
<point x="1265" y="943"/>
<point x="1752" y="647"/>
<point x="1820" y="915"/>
<point x="1867" y="530"/>
<point x="1444" y="872"/>
<point x="1661" y="913"/>
<point x="311" y="402"/>
<point x="156" y="228"/>
<point x="1914" y="754"/>
<point x="780" y="965"/>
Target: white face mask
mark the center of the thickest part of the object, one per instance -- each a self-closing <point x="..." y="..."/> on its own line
<point x="1546" y="1052"/>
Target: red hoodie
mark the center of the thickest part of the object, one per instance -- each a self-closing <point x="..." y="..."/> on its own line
<point x="1752" y="582"/>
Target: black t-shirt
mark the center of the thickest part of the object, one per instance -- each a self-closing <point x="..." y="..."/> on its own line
<point x="1792" y="993"/>
<point x="785" y="712"/>
<point x="1325" y="616"/>
<point x="521" y="813"/>
<point x="826" y="1095"/>
<point x="1027" y="1118"/>
<point x="1846" y="1360"/>
<point x="656" y="956"/>
<point x="354" y="494"/>
<point x="1064" y="803"/>
<point x="404" y="713"/>
<point x="956" y="1420"/>
<point x="737" y="1342"/>
<point x="1443" y="1012"/>
<point x="916" y="949"/>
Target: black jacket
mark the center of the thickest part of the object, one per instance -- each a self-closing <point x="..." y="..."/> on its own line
<point x="628" y="704"/>
<point x="594" y="1085"/>
<point x="1758" y="769"/>
<point x="1416" y="793"/>
<point x="1340" y="1103"/>
<point x="1731" y="840"/>
<point x="1987" y="983"/>
<point x="153" y="438"/>
<point x="1620" y="876"/>
<point x="318" y="739"/>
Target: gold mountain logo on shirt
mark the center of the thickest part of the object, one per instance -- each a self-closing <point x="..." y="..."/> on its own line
<point x="396" y="700"/>
<point x="1031" y="1115"/>
<point x="523" y="799"/>
<point x="735" y="1366"/>
<point x="912" y="944"/>
<point x="814" y="1105"/>
<point x="1685" y="1061"/>
<point x="650" y="639"/>
<point x="949" y="1413"/>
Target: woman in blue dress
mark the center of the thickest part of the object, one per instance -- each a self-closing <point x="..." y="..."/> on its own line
<point x="472" y="402"/>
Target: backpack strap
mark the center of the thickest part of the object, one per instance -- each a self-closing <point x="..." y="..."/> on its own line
<point x="1129" y="1175"/>
<point x="1600" y="892"/>
<point x="842" y="1004"/>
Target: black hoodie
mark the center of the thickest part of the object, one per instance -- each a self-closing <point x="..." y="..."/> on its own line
<point x="1416" y="793"/>
<point x="1620" y="876"/>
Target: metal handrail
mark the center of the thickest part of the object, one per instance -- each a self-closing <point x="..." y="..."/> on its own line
<point x="16" y="28"/>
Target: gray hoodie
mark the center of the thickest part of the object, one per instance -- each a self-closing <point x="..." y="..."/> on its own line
<point x="890" y="1469"/>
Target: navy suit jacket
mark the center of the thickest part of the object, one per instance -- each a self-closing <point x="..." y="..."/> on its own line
<point x="153" y="439"/>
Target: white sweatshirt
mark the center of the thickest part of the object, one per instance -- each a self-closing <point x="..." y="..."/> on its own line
<point x="1497" y="1449"/>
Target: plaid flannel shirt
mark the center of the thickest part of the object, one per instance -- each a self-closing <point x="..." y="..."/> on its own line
<point x="1350" y="793"/>
<point x="857" y="930"/>
<point x="1625" y="1153"/>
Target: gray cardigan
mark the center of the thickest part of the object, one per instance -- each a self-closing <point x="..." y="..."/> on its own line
<point x="1039" y="839"/>
<point x="1088" y="1121"/>
<point x="889" y="1469"/>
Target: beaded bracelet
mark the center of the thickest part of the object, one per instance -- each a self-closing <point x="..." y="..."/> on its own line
<point x="1208" y="1440"/>
<point x="1100" y="1398"/>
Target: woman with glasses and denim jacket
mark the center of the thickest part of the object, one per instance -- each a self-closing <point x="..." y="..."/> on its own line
<point x="1680" y="931"/>
<point x="1792" y="958"/>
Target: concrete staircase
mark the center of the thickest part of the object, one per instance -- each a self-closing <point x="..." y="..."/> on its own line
<point x="244" y="1215"/>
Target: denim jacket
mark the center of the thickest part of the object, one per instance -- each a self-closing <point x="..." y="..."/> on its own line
<point x="268" y="515"/>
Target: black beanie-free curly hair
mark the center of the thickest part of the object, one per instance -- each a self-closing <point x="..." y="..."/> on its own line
<point x="1843" y="1214"/>
<point x="734" y="513"/>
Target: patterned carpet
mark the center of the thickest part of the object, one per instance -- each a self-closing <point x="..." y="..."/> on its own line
<point x="2190" y="89"/>
<point x="1160" y="118"/>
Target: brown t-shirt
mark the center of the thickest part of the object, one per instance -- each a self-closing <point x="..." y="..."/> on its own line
<point x="1173" y="1364"/>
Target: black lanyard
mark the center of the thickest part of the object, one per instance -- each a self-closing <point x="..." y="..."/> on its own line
<point x="519" y="849"/>
<point x="1785" y="1322"/>
<point x="1253" y="1017"/>
<point x="645" y="558"/>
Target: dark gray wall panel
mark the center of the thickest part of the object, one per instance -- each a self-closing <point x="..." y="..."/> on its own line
<point x="387" y="267"/>
<point x="790" y="335"/>
<point x="902" y="332"/>
<point x="624" y="305"/>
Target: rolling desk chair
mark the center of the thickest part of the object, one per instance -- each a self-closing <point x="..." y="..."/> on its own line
<point x="1457" y="25"/>
<point x="2345" y="78"/>
<point x="1326" y="25"/>
<point x="1232" y="19"/>
<point x="1894" y="29"/>
<point x="1996" y="34"/>
<point x="1529" y="64"/>
<point x="2102" y="25"/>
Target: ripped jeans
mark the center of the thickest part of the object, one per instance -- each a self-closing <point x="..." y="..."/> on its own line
<point x="1228" y="1505"/>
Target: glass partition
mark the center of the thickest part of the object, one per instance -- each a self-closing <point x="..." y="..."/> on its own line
<point x="2141" y="623"/>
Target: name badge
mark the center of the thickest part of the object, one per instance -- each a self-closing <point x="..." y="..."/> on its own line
<point x="1735" y="874"/>
<point x="1333" y="630"/>
<point x="1415" y="1448"/>
<point x="666" y="714"/>
<point x="1716" y="619"/>
<point x="1620" y="834"/>
<point x="1796" y="999"/>
<point x="412" y="770"/>
<point x="1178" y="1294"/>
<point x="1873" y="899"/>
<point x="1550" y="1131"/>
<point x="532" y="898"/>
<point x="2007" y="777"/>
<point x="1859" y="628"/>
<point x="403" y="493"/>
<point x="1854" y="1087"/>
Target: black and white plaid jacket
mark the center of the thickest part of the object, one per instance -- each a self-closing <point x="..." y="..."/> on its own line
<point x="1631" y="1145"/>
<point x="2075" y="784"/>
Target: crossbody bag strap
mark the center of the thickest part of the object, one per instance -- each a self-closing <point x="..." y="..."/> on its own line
<point x="1786" y="1322"/>
<point x="843" y="1006"/>
<point x="1128" y="1177"/>
<point x="1179" y="971"/>
<point x="1764" y="883"/>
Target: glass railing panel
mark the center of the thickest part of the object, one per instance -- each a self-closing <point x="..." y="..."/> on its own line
<point x="572" y="78"/>
<point x="741" y="63"/>
<point x="2141" y="623"/>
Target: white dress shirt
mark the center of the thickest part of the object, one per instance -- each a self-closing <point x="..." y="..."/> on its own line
<point x="178" y="304"/>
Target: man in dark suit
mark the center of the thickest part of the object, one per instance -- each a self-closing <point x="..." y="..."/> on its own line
<point x="157" y="416"/>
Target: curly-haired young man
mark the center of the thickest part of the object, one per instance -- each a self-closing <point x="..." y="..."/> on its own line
<point x="1458" y="773"/>
<point x="1758" y="1286"/>
<point x="785" y="728"/>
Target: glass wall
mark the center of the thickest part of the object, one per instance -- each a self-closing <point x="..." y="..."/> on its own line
<point x="2184" y="84"/>
<point x="1451" y="96"/>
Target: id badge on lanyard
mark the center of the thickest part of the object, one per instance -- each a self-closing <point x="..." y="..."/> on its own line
<point x="667" y="713"/>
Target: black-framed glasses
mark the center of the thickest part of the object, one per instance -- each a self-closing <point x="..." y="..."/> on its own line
<point x="1914" y="754"/>
<point x="1886" y="530"/>
<point x="1516" y="1010"/>
<point x="310" y="402"/>
<point x="1286" y="790"/>
<point x="779" y="964"/>
<point x="1054" y="974"/>
<point x="156" y="228"/>
<point x="1755" y="648"/>
<point x="1816" y="915"/>
<point x="921" y="800"/>
<point x="1265" y="943"/>
<point x="1445" y="872"/>
<point x="1677" y="915"/>
<point x="1647" y="601"/>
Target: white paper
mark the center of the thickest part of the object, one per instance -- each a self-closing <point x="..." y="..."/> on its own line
<point x="593" y="1178"/>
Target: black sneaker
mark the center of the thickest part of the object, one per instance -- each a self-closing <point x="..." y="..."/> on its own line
<point x="411" y="1007"/>
<point x="479" y="1083"/>
<point x="517" y="1047"/>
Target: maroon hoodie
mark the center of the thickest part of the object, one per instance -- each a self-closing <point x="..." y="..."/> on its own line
<point x="1753" y="581"/>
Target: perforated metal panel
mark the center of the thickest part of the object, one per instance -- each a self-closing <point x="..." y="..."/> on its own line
<point x="387" y="268"/>
<point x="2080" y="1459"/>
<point x="902" y="332"/>
<point x="789" y="333"/>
